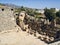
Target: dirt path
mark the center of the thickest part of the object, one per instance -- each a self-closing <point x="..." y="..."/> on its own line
<point x="18" y="38"/>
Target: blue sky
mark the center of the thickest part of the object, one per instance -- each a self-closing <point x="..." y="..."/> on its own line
<point x="34" y="3"/>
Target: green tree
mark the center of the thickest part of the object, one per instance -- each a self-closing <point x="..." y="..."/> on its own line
<point x="52" y="9"/>
<point x="51" y="15"/>
<point x="22" y="8"/>
<point x="58" y="17"/>
<point x="58" y="14"/>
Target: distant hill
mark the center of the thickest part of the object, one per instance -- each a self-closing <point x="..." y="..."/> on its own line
<point x="15" y="6"/>
<point x="2" y="4"/>
<point x="10" y="5"/>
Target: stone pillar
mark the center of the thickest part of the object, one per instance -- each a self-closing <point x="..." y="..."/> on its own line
<point x="21" y="15"/>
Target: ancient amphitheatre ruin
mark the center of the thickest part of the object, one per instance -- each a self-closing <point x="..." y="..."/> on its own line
<point x="22" y="32"/>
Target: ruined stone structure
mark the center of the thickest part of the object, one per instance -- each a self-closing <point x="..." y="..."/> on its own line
<point x="7" y="21"/>
<point x="21" y="19"/>
<point x="42" y="28"/>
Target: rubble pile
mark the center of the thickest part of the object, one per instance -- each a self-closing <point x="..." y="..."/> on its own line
<point x="35" y="27"/>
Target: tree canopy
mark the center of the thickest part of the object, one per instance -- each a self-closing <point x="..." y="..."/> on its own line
<point x="50" y="13"/>
<point x="58" y="14"/>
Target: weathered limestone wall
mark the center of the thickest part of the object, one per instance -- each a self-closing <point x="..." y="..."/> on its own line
<point x="7" y="21"/>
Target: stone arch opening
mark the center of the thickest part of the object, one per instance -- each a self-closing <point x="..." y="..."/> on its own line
<point x="16" y="14"/>
<point x="21" y="15"/>
<point x="3" y="9"/>
<point x="11" y="9"/>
